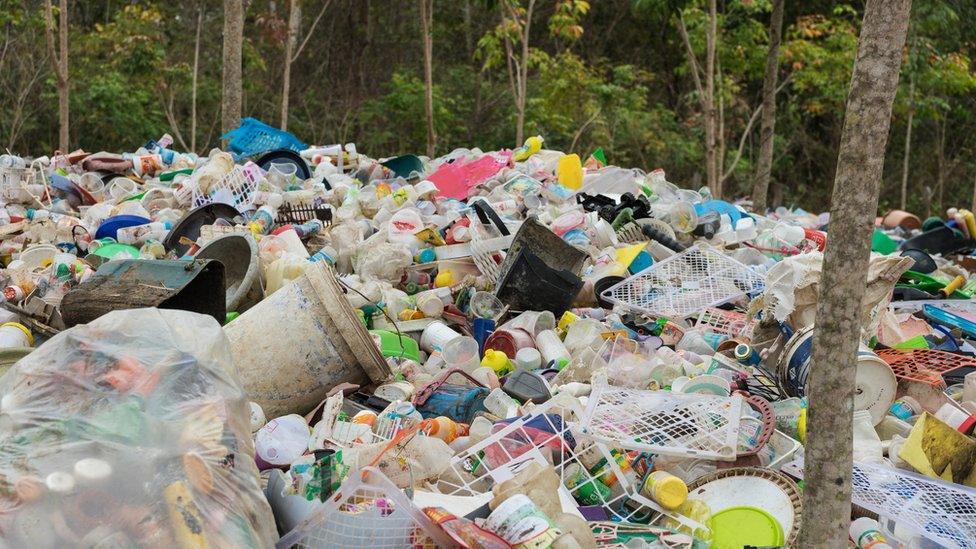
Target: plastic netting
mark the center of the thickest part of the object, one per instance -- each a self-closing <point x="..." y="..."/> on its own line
<point x="367" y="511"/>
<point x="686" y="283"/>
<point x="662" y="422"/>
<point x="923" y="365"/>
<point x="254" y="137"/>
<point x="941" y="511"/>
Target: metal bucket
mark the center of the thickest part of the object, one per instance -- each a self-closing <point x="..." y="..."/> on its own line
<point x="875" y="383"/>
<point x="302" y="341"/>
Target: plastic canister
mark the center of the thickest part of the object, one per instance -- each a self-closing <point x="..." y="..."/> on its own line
<point x="521" y="524"/>
<point x="865" y="534"/>
<point x="905" y="407"/>
<point x="551" y="348"/>
<point x="666" y="489"/>
<point x="15" y="334"/>
<point x="528" y="358"/>
<point x="430" y="303"/>
<point x="397" y="390"/>
<point x="956" y="418"/>
<point x="500" y="404"/>
<point x="462" y="352"/>
<point x="436" y="336"/>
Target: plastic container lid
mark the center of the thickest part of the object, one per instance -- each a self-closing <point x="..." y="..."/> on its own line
<point x="111" y="226"/>
<point x="737" y="527"/>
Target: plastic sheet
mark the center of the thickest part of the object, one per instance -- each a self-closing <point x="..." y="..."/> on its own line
<point x="130" y="431"/>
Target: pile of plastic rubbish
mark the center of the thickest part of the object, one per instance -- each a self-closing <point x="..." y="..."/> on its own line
<point x="517" y="348"/>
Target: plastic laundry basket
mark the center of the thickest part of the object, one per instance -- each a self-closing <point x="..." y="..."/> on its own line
<point x="254" y="137"/>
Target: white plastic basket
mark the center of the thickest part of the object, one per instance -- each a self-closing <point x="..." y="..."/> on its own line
<point x="686" y="283"/>
<point x="235" y="188"/>
<point x="546" y="437"/>
<point x="941" y="511"/>
<point x="662" y="422"/>
<point x="367" y="511"/>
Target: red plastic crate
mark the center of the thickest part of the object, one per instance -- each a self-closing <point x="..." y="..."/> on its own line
<point x="923" y="365"/>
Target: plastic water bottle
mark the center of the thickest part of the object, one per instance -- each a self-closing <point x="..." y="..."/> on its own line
<point x="308" y="229"/>
<point x="262" y="220"/>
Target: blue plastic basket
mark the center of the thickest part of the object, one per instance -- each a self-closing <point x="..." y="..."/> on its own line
<point x="254" y="137"/>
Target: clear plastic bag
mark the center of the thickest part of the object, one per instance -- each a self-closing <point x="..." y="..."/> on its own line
<point x="130" y="431"/>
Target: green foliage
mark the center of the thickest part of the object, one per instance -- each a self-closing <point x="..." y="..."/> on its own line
<point x="613" y="74"/>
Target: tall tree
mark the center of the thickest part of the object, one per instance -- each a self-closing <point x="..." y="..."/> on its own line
<point x="294" y="22"/>
<point x="767" y="129"/>
<point x="196" y="74"/>
<point x="518" y="66"/>
<point x="827" y="497"/>
<point x="293" y="49"/>
<point x="706" y="94"/>
<point x="59" y="63"/>
<point x="426" y="28"/>
<point x="233" y="92"/>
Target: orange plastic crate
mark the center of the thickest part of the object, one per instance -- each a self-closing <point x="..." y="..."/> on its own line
<point x="923" y="365"/>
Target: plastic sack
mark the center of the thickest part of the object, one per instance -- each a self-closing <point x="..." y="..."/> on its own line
<point x="130" y="431"/>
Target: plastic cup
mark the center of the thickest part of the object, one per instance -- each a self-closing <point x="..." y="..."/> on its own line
<point x="462" y="352"/>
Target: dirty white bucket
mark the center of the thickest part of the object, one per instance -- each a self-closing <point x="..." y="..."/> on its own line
<point x="302" y="341"/>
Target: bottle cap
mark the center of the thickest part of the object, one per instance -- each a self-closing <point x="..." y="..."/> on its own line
<point x="92" y="469"/>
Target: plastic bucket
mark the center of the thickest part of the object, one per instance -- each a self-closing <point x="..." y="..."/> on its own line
<point x="239" y="255"/>
<point x="875" y="383"/>
<point x="302" y="341"/>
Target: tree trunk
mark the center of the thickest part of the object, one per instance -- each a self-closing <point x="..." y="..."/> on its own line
<point x="426" y="28"/>
<point x="63" y="81"/>
<point x="940" y="165"/>
<point x="972" y="207"/>
<point x="827" y="497"/>
<point x="767" y="128"/>
<point x="523" y="69"/>
<point x="230" y="105"/>
<point x="59" y="64"/>
<point x="711" y="158"/>
<point x="294" y="22"/>
<point x="193" y="91"/>
<point x="906" y="159"/>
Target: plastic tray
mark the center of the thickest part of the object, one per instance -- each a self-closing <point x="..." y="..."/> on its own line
<point x="666" y="423"/>
<point x="686" y="283"/>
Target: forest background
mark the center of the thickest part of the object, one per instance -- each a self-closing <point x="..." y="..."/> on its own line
<point x="624" y="75"/>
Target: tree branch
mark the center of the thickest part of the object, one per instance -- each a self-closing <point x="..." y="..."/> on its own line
<point x="49" y="38"/>
<point x="683" y="31"/>
<point x="582" y="128"/>
<point x="311" y="29"/>
<point x="745" y="133"/>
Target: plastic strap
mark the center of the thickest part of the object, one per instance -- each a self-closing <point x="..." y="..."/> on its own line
<point x="421" y="397"/>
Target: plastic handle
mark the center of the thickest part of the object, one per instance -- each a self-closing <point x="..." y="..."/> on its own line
<point x="420" y="398"/>
<point x="749" y="457"/>
<point x="486" y="212"/>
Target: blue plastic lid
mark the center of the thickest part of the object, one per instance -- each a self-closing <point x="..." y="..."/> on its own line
<point x="111" y="226"/>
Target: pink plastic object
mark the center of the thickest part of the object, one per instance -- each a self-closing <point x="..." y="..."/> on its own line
<point x="456" y="180"/>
